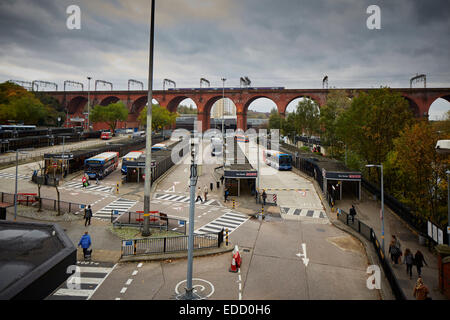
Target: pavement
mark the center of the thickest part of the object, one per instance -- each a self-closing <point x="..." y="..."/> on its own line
<point x="368" y="211"/>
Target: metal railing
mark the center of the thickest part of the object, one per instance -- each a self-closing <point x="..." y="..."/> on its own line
<point x="156" y="221"/>
<point x="49" y="204"/>
<point x="368" y="233"/>
<point x="168" y="244"/>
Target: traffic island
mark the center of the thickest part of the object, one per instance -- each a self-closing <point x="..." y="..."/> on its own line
<point x="179" y="255"/>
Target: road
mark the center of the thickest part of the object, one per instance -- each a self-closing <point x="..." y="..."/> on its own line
<point x="271" y="267"/>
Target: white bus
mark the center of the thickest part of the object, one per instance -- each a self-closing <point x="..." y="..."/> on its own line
<point x="132" y="156"/>
<point x="277" y="159"/>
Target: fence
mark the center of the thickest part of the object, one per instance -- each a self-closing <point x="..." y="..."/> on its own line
<point x="49" y="204"/>
<point x="161" y="221"/>
<point x="169" y="244"/>
<point x="368" y="233"/>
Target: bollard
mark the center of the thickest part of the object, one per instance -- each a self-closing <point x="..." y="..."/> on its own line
<point x="117" y="187"/>
<point x="211" y="186"/>
<point x="218" y="184"/>
<point x="226" y="237"/>
<point x="234" y="204"/>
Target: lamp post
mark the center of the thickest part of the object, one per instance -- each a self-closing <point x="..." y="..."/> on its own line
<point x="448" y="202"/>
<point x="89" y="103"/>
<point x="148" y="143"/>
<point x="382" y="203"/>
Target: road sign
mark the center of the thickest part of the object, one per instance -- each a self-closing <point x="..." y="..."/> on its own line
<point x="116" y="212"/>
<point x="181" y="223"/>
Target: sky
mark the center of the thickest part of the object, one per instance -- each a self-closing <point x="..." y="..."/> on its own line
<point x="284" y="43"/>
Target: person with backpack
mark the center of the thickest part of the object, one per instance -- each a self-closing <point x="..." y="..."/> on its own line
<point x="87" y="216"/>
<point x="408" y="259"/>
<point x="226" y="194"/>
<point x="85" y="243"/>
<point x="419" y="260"/>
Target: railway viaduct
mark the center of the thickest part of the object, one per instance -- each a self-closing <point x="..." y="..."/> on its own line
<point x="420" y="100"/>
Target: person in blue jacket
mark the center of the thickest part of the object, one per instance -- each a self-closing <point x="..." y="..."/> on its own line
<point x="85" y="243"/>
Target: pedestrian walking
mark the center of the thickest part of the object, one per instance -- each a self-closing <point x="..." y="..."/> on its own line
<point x="419" y="260"/>
<point x="85" y="243"/>
<point x="397" y="249"/>
<point x="226" y="194"/>
<point x="352" y="213"/>
<point x="408" y="259"/>
<point x="96" y="179"/>
<point x="205" y="192"/>
<point x="421" y="290"/>
<point x="84" y="181"/>
<point x="199" y="195"/>
<point x="264" y="196"/>
<point x="221" y="179"/>
<point x="87" y="216"/>
<point x="394" y="251"/>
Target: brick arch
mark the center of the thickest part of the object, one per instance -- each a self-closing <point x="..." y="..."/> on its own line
<point x="76" y="105"/>
<point x="109" y="100"/>
<point x="254" y="98"/>
<point x="413" y="106"/>
<point x="320" y="102"/>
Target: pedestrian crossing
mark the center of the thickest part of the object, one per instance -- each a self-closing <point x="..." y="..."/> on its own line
<point x="230" y="220"/>
<point x="119" y="205"/>
<point x="12" y="176"/>
<point x="77" y="185"/>
<point x="83" y="281"/>
<point x="184" y="199"/>
<point x="318" y="214"/>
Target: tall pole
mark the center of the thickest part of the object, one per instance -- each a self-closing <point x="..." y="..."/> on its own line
<point x="448" y="203"/>
<point x="148" y="144"/>
<point x="382" y="210"/>
<point x="89" y="103"/>
<point x="15" y="192"/>
<point x="189" y="295"/>
<point x="223" y="106"/>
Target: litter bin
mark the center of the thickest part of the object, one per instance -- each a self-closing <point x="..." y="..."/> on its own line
<point x="211" y="186"/>
<point x="2" y="213"/>
<point x="218" y="184"/>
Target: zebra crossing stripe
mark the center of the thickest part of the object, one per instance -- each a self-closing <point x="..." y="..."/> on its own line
<point x="232" y="221"/>
<point x="185" y="199"/>
<point x="89" y="278"/>
<point x="121" y="205"/>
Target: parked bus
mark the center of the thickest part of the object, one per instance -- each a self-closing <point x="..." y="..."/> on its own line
<point x="159" y="146"/>
<point x="101" y="165"/>
<point x="277" y="159"/>
<point x="241" y="138"/>
<point x="16" y="127"/>
<point x="106" y="135"/>
<point x="132" y="156"/>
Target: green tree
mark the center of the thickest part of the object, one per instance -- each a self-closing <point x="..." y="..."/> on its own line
<point x="307" y="117"/>
<point x="161" y="117"/>
<point x="372" y="122"/>
<point x="416" y="172"/>
<point x="109" y="114"/>
<point x="337" y="103"/>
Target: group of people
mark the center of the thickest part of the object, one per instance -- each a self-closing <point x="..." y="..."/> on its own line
<point x="409" y="259"/>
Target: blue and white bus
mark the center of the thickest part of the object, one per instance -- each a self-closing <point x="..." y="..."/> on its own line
<point x="132" y="156"/>
<point x="101" y="165"/>
<point x="277" y="159"/>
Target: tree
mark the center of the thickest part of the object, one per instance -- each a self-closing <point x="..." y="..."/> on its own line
<point x="372" y="122"/>
<point x="307" y="117"/>
<point x="19" y="105"/>
<point x="417" y="172"/>
<point x="110" y="114"/>
<point x="161" y="117"/>
<point x="337" y="103"/>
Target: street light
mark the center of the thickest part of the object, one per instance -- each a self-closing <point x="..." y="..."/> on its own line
<point x="148" y="142"/>
<point x="17" y="166"/>
<point x="382" y="202"/>
<point x="89" y="102"/>
<point x="448" y="202"/>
